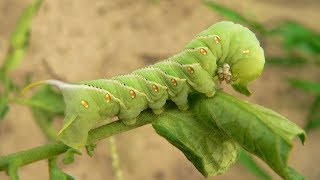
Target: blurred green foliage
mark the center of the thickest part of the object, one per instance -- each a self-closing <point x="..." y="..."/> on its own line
<point x="46" y="104"/>
<point x="313" y="118"/>
<point x="299" y="46"/>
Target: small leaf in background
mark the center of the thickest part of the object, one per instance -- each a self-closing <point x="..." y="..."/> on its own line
<point x="313" y="120"/>
<point x="46" y="99"/>
<point x="13" y="58"/>
<point x="6" y="83"/>
<point x="209" y="149"/>
<point x="44" y="121"/>
<point x="247" y="161"/>
<point x="298" y="36"/>
<point x="257" y="129"/>
<point x="20" y="38"/>
<point x="46" y="104"/>
<point x="234" y="16"/>
<point x="286" y="60"/>
<point x="4" y="108"/>
<point x="307" y="85"/>
<point x="56" y="173"/>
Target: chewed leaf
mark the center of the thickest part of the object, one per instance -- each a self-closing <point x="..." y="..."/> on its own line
<point x="259" y="130"/>
<point x="210" y="150"/>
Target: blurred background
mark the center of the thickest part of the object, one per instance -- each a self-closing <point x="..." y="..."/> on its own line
<point x="84" y="40"/>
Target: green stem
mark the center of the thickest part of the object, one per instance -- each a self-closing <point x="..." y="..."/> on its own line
<point x="50" y="150"/>
<point x="115" y="158"/>
<point x="13" y="172"/>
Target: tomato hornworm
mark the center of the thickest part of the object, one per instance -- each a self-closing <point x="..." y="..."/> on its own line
<point x="224" y="52"/>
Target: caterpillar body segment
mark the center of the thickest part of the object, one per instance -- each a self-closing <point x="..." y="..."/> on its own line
<point x="156" y="94"/>
<point x="212" y="46"/>
<point x="177" y="88"/>
<point x="224" y="52"/>
<point x="132" y="100"/>
<point x="236" y="46"/>
<point x="200" y="80"/>
<point x="83" y="114"/>
<point x="201" y="55"/>
<point x="130" y="94"/>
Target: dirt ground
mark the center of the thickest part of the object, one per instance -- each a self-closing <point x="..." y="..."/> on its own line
<point x="83" y="40"/>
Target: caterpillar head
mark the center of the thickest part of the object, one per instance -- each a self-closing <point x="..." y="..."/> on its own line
<point x="247" y="67"/>
<point x="240" y="59"/>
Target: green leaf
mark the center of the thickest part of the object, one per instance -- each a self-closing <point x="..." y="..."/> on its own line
<point x="4" y="108"/>
<point x="299" y="37"/>
<point x="234" y="16"/>
<point x="7" y="83"/>
<point x="257" y="129"/>
<point x="293" y="174"/>
<point x="20" y="36"/>
<point x="44" y="120"/>
<point x="46" y="99"/>
<point x="13" y="58"/>
<point x="247" y="161"/>
<point x="313" y="120"/>
<point x="310" y="86"/>
<point x="56" y="173"/>
<point x="46" y="104"/>
<point x="210" y="150"/>
<point x="286" y="60"/>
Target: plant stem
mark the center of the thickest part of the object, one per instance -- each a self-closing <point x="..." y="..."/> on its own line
<point x="50" y="150"/>
<point x="115" y="158"/>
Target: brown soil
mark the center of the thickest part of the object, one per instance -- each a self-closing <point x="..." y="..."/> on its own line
<point x="83" y="40"/>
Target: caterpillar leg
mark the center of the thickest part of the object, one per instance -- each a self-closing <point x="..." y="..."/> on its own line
<point x="129" y="121"/>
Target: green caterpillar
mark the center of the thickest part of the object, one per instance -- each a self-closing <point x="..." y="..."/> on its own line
<point x="224" y="52"/>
